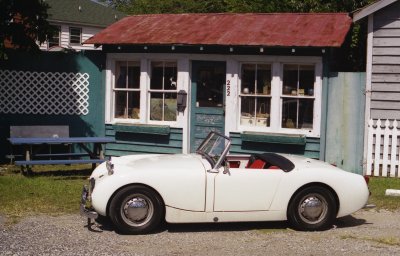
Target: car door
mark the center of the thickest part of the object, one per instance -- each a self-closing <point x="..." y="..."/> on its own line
<point x="245" y="189"/>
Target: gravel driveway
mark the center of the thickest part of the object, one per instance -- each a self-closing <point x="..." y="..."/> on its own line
<point x="363" y="233"/>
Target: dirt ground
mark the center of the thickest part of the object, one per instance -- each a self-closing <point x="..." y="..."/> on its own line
<point x="367" y="232"/>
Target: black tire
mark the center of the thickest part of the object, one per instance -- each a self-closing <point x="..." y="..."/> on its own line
<point x="136" y="210"/>
<point x="313" y="208"/>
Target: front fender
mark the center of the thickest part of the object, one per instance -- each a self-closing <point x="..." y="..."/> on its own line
<point x="179" y="185"/>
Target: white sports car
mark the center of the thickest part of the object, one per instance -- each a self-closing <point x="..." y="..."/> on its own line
<point x="138" y="192"/>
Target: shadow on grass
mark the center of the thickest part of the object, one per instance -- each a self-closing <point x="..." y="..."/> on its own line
<point x="66" y="174"/>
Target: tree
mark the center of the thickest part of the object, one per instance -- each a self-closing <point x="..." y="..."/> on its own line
<point x="236" y="6"/>
<point x="23" y="23"/>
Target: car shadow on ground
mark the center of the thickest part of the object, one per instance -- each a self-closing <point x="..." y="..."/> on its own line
<point x="104" y="224"/>
<point x="350" y="221"/>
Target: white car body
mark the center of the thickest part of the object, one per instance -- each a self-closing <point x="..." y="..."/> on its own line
<point x="211" y="186"/>
<point x="193" y="194"/>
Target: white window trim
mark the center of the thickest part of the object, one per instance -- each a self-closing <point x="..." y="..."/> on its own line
<point x="80" y="35"/>
<point x="232" y="124"/>
<point x="145" y="73"/>
<point x="276" y="97"/>
<point x="149" y="91"/>
<point x="59" y="37"/>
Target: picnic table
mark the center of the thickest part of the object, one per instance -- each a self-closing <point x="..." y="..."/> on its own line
<point x="95" y="154"/>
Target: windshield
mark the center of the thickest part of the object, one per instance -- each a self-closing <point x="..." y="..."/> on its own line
<point x="214" y="148"/>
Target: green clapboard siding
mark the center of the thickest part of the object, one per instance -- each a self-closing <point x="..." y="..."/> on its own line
<point x="142" y="128"/>
<point x="274" y="138"/>
<point x="310" y="148"/>
<point x="142" y="142"/>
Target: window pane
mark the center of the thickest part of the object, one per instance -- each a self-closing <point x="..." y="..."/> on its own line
<point x="255" y="111"/>
<point x="170" y="74"/>
<point x="163" y="106"/>
<point x="298" y="80"/>
<point x="289" y="113"/>
<point x="120" y="105"/>
<point x="170" y="107"/>
<point x="248" y="78"/>
<point x="210" y="83"/>
<point x="121" y="74"/>
<point x="55" y="39"/>
<point x="157" y="74"/>
<point x="297" y="113"/>
<point x="127" y="75"/>
<point x="306" y="80"/>
<point x="133" y="75"/>
<point x="248" y="111"/>
<point x="306" y="113"/>
<point x="127" y="105"/>
<point x="134" y="105"/>
<point x="75" y="35"/>
<point x="290" y="79"/>
<point x="263" y="111"/>
<point x="264" y="79"/>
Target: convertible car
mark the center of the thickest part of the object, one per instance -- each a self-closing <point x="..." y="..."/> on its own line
<point x="138" y="192"/>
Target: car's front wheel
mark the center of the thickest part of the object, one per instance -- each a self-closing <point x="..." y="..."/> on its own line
<point x="312" y="208"/>
<point x="136" y="210"/>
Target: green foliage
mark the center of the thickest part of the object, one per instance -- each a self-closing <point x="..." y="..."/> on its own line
<point x="23" y="23"/>
<point x="236" y="6"/>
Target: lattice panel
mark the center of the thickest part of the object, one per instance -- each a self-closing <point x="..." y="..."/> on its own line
<point x="25" y="92"/>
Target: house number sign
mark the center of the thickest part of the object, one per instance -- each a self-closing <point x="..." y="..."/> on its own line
<point x="228" y="87"/>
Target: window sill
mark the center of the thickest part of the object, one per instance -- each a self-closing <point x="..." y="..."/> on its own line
<point x="274" y="138"/>
<point x="142" y="128"/>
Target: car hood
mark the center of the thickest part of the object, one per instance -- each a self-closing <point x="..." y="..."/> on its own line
<point x="155" y="163"/>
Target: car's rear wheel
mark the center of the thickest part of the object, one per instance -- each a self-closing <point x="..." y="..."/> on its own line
<point x="136" y="210"/>
<point x="312" y="208"/>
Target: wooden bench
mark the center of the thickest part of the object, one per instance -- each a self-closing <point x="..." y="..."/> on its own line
<point x="46" y="136"/>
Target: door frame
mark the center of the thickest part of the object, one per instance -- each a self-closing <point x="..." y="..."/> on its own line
<point x="193" y="110"/>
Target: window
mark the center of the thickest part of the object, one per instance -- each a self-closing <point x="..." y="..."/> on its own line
<point x="255" y="95"/>
<point x="298" y="96"/>
<point x="163" y="91"/>
<point x="75" y="35"/>
<point x="127" y="90"/>
<point x="55" y="39"/>
<point x="285" y="102"/>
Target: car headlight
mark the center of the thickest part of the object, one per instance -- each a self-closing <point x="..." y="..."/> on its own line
<point x="110" y="167"/>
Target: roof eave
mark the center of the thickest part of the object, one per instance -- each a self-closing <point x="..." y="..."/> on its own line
<point x="78" y="23"/>
<point x="369" y="9"/>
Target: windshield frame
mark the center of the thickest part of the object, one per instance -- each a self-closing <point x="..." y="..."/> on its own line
<point x="209" y="142"/>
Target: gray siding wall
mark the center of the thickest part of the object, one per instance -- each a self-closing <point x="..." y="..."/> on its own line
<point x="385" y="79"/>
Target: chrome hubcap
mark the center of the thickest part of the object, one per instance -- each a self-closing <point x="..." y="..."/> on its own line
<point x="137" y="210"/>
<point x="312" y="209"/>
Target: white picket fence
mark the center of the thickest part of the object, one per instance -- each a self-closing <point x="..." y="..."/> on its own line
<point x="383" y="148"/>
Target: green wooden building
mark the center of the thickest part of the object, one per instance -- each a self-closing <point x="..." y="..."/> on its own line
<point x="162" y="82"/>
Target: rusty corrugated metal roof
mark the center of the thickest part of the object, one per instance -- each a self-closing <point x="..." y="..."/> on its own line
<point x="272" y="29"/>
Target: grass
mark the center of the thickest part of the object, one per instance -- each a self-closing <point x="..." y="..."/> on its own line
<point x="55" y="190"/>
<point x="378" y="186"/>
<point x="394" y="241"/>
<point x="50" y="190"/>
